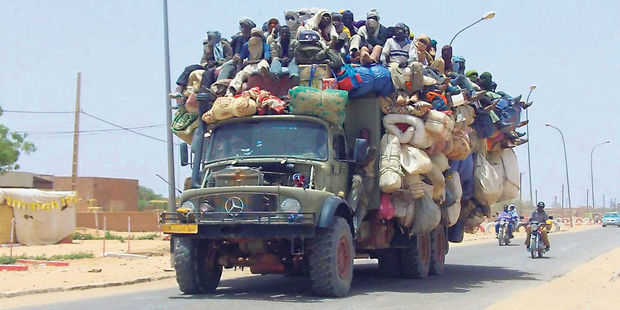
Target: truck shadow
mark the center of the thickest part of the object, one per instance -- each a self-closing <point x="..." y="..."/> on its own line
<point x="456" y="279"/>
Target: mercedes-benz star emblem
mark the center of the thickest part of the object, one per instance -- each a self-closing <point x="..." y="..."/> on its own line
<point x="234" y="206"/>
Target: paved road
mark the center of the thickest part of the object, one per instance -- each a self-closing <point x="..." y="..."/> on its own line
<point x="474" y="276"/>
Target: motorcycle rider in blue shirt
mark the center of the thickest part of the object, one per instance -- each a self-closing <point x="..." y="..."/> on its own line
<point x="505" y="215"/>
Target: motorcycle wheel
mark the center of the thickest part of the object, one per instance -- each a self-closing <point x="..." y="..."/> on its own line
<point x="540" y="253"/>
<point x="500" y="236"/>
<point x="533" y="247"/>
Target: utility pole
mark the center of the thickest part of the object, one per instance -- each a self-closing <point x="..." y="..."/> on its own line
<point x="169" y="145"/>
<point x="76" y="135"/>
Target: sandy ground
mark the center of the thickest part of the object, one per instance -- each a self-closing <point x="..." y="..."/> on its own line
<point x="113" y="269"/>
<point x="594" y="285"/>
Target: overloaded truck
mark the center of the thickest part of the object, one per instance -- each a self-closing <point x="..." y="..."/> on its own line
<point x="333" y="177"/>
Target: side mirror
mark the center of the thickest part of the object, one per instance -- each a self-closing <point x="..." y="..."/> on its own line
<point x="551" y="217"/>
<point x="360" y="150"/>
<point x="184" y="154"/>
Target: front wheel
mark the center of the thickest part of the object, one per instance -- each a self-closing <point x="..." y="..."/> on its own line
<point x="197" y="270"/>
<point x="533" y="247"/>
<point x="500" y="236"/>
<point x="331" y="259"/>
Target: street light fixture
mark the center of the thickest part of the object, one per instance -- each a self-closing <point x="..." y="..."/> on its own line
<point x="592" y="173"/>
<point x="570" y="210"/>
<point x="486" y="16"/>
<point x="527" y="129"/>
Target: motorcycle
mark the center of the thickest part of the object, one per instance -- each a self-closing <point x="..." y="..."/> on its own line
<point x="537" y="246"/>
<point x="503" y="236"/>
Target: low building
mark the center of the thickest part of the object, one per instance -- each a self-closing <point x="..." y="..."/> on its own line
<point x="104" y="194"/>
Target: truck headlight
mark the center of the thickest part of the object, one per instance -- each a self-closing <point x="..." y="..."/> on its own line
<point x="290" y="205"/>
<point x="187" y="207"/>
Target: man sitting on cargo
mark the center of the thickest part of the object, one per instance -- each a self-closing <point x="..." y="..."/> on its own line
<point x="322" y="23"/>
<point x="395" y="54"/>
<point x="255" y="55"/>
<point x="366" y="46"/>
<point x="282" y="51"/>
<point x="238" y="41"/>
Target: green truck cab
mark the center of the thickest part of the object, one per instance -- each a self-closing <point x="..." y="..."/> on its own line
<point x="273" y="193"/>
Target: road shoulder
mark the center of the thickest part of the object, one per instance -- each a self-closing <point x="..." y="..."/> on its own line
<point x="593" y="285"/>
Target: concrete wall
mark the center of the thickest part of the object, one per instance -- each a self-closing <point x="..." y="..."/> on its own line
<point x="117" y="221"/>
<point x="109" y="194"/>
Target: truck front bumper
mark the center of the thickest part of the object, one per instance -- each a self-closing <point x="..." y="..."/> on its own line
<point x="221" y="225"/>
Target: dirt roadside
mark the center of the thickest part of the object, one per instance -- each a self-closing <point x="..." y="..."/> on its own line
<point x="593" y="285"/>
<point x="113" y="271"/>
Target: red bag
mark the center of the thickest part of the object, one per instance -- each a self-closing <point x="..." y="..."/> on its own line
<point x="386" y="209"/>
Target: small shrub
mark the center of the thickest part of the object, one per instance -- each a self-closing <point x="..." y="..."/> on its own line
<point x="148" y="237"/>
<point x="110" y="236"/>
<point x="5" y="259"/>
<point x="85" y="236"/>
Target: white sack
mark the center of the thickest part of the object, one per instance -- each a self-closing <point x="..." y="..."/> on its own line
<point x="506" y="165"/>
<point x="414" y="160"/>
<point x="451" y="214"/>
<point x="488" y="185"/>
<point x="427" y="213"/>
<point x="390" y="170"/>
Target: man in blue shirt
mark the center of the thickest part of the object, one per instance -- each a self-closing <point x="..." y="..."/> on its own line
<point x="505" y="215"/>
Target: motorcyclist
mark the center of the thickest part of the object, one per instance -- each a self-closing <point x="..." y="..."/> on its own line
<point x="505" y="215"/>
<point x="515" y="217"/>
<point x="539" y="215"/>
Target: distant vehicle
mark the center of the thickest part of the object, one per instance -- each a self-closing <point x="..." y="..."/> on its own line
<point x="611" y="218"/>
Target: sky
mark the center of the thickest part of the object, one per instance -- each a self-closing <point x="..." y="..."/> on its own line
<point x="568" y="49"/>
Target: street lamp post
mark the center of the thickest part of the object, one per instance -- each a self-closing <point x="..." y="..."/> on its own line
<point x="592" y="173"/>
<point x="488" y="15"/>
<point x="570" y="209"/>
<point x="527" y="129"/>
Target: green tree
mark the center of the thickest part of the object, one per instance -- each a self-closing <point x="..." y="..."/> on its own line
<point x="144" y="195"/>
<point x="12" y="144"/>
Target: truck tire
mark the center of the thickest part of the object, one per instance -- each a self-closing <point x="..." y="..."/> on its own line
<point x="389" y="263"/>
<point x="197" y="272"/>
<point x="415" y="262"/>
<point x="331" y="259"/>
<point x="438" y="251"/>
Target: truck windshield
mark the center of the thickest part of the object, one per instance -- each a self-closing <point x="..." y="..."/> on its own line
<point x="264" y="138"/>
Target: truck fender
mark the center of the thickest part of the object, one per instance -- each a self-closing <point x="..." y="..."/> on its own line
<point x="332" y="207"/>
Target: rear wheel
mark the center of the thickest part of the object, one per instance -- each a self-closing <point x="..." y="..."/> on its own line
<point x="415" y="261"/>
<point x="331" y="259"/>
<point x="438" y="250"/>
<point x="197" y="270"/>
<point x="389" y="263"/>
<point x="540" y="253"/>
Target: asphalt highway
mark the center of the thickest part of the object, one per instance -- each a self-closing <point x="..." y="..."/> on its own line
<point x="475" y="276"/>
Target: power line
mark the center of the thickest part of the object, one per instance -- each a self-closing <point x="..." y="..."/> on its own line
<point x="36" y="112"/>
<point x="129" y="129"/>
<point x="121" y="127"/>
<point x="87" y="131"/>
